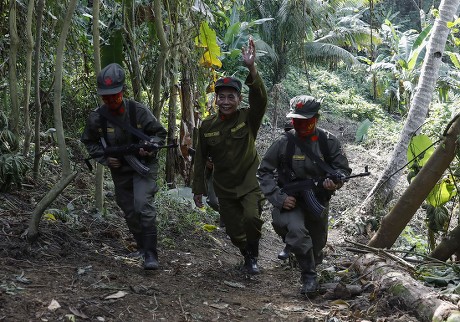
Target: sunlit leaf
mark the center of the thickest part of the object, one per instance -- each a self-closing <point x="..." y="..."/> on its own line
<point x="420" y="148"/>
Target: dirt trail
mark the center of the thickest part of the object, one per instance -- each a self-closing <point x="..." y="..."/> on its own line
<point x="80" y="272"/>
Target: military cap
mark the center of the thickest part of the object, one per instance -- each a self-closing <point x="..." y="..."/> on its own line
<point x="110" y="80"/>
<point x="303" y="107"/>
<point x="228" y="82"/>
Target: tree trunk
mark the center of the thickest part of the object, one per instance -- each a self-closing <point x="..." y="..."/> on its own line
<point x="393" y="224"/>
<point x="159" y="69"/>
<point x="38" y="104"/>
<point x="412" y="294"/>
<point x="171" y="154"/>
<point x="448" y="246"/>
<point x="67" y="174"/>
<point x="29" y="53"/>
<point x="99" y="177"/>
<point x="64" y="156"/>
<point x="32" y="231"/>
<point x="14" y="44"/>
<point x="187" y="123"/>
<point x="384" y="186"/>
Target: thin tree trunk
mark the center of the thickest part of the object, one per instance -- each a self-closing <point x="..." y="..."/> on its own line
<point x="29" y="53"/>
<point x="159" y="69"/>
<point x="172" y="153"/>
<point x="67" y="174"/>
<point x="32" y="231"/>
<point x="38" y="104"/>
<point x="394" y="223"/>
<point x="99" y="178"/>
<point x="14" y="44"/>
<point x="187" y="122"/>
<point x="417" y="114"/>
<point x="64" y="156"/>
<point x="448" y="246"/>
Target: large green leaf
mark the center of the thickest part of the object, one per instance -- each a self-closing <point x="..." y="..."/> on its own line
<point x="207" y="39"/>
<point x="361" y="132"/>
<point x="420" y="149"/>
<point x="441" y="193"/>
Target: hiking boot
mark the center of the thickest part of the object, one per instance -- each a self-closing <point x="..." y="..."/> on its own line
<point x="308" y="273"/>
<point x="250" y="264"/>
<point x="284" y="254"/>
<point x="150" y="250"/>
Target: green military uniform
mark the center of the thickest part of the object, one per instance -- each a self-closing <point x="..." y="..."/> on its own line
<point x="298" y="227"/>
<point x="230" y="143"/>
<point x="134" y="193"/>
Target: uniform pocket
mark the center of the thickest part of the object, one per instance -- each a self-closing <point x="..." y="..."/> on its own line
<point x="213" y="138"/>
<point x="240" y="131"/>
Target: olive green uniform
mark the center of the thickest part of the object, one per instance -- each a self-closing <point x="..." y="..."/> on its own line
<point x="230" y="143"/>
<point x="134" y="193"/>
<point x="298" y="227"/>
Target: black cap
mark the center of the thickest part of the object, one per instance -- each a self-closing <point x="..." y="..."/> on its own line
<point x="303" y="107"/>
<point x="231" y="82"/>
<point x="110" y="80"/>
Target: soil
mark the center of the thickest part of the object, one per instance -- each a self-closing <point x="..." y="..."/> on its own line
<point x="78" y="269"/>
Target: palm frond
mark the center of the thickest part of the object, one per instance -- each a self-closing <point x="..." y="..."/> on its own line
<point x="317" y="52"/>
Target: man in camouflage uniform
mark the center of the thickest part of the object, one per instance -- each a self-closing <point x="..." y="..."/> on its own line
<point x="228" y="138"/>
<point x="134" y="191"/>
<point x="304" y="233"/>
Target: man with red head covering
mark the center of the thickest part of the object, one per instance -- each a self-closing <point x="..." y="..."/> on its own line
<point x="134" y="192"/>
<point x="304" y="152"/>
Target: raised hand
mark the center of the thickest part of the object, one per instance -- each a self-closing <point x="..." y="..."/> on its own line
<point x="249" y="56"/>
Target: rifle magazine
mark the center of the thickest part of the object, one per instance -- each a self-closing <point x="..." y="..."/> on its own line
<point x="137" y="165"/>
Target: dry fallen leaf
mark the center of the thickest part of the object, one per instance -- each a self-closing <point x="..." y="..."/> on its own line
<point x="54" y="305"/>
<point x="116" y="295"/>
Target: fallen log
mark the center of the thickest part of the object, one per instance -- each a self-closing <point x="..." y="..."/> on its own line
<point x="392" y="279"/>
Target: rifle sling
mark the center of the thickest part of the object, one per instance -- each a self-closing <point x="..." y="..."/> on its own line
<point x="307" y="150"/>
<point x="126" y="126"/>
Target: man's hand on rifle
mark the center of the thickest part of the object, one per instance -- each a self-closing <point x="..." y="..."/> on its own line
<point x="113" y="162"/>
<point x="329" y="184"/>
<point x="289" y="203"/>
<point x="144" y="153"/>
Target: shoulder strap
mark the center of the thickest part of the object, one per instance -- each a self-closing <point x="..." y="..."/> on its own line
<point x="132" y="117"/>
<point x="323" y="146"/>
<point x="285" y="167"/>
<point x="306" y="149"/>
<point x="125" y="126"/>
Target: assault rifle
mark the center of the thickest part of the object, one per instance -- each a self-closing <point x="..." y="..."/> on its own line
<point x="306" y="189"/>
<point x="129" y="153"/>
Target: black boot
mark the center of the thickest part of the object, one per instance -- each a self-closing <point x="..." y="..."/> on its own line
<point x="284" y="254"/>
<point x="250" y="257"/>
<point x="150" y="251"/>
<point x="308" y="273"/>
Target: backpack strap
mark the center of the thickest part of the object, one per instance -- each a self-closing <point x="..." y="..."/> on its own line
<point x="323" y="146"/>
<point x="132" y="118"/>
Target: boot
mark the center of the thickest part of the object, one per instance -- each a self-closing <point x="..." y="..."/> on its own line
<point x="140" y="246"/>
<point x="150" y="251"/>
<point x="308" y="273"/>
<point x="250" y="257"/>
<point x="284" y="254"/>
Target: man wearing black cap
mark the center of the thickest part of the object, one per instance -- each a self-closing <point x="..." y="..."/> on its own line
<point x="109" y="125"/>
<point x="228" y="138"/>
<point x="301" y="153"/>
